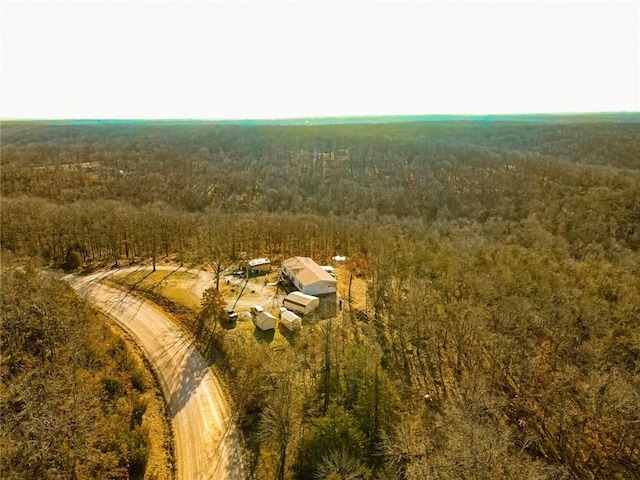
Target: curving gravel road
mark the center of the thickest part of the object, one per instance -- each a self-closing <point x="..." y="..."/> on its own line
<point x="207" y="444"/>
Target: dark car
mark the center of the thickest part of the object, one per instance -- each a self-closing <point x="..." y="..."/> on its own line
<point x="231" y="315"/>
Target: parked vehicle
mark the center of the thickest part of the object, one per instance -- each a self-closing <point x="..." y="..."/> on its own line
<point x="232" y="316"/>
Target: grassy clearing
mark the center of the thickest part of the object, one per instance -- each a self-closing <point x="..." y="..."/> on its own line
<point x="244" y="328"/>
<point x="256" y="290"/>
<point x="178" y="287"/>
<point x="358" y="289"/>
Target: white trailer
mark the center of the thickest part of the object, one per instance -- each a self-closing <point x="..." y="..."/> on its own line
<point x="256" y="266"/>
<point x="301" y="302"/>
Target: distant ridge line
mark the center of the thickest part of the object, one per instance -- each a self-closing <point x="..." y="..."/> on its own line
<point x="624" y="117"/>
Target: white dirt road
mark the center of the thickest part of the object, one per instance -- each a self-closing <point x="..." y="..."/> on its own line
<point x="207" y="444"/>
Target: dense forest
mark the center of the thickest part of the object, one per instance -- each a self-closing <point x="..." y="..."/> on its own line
<point x="501" y="332"/>
<point x="76" y="402"/>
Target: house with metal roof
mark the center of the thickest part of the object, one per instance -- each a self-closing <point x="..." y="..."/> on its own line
<point x="308" y="276"/>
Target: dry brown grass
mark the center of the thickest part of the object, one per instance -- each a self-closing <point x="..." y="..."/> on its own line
<point x="160" y="460"/>
<point x="178" y="287"/>
<point x="159" y="463"/>
<point x="358" y="289"/>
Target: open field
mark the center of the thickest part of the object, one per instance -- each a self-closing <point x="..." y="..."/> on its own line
<point x="184" y="287"/>
<point x="177" y="285"/>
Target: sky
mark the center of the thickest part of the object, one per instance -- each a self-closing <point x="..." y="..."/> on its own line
<point x="242" y="60"/>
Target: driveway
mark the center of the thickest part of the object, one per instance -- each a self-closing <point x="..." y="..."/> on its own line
<point x="207" y="442"/>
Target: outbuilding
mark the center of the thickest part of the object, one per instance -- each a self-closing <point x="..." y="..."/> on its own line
<point x="264" y="320"/>
<point x="301" y="302"/>
<point x="256" y="266"/>
<point x="290" y="320"/>
<point x="308" y="276"/>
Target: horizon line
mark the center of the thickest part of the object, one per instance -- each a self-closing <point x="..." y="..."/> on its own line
<point x="312" y="117"/>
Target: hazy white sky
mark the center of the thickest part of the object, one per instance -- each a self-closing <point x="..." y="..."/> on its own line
<point x="213" y="59"/>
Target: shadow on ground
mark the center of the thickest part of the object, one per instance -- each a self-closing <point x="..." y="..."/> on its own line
<point x="264" y="336"/>
<point x="190" y="378"/>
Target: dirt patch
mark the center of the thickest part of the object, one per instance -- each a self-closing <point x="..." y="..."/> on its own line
<point x="242" y="294"/>
<point x="185" y="287"/>
<point x="175" y="288"/>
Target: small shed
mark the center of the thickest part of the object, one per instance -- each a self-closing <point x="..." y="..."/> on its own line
<point x="264" y="321"/>
<point x="301" y="302"/>
<point x="290" y="320"/>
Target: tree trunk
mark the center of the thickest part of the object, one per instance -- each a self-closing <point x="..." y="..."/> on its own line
<point x="154" y="252"/>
